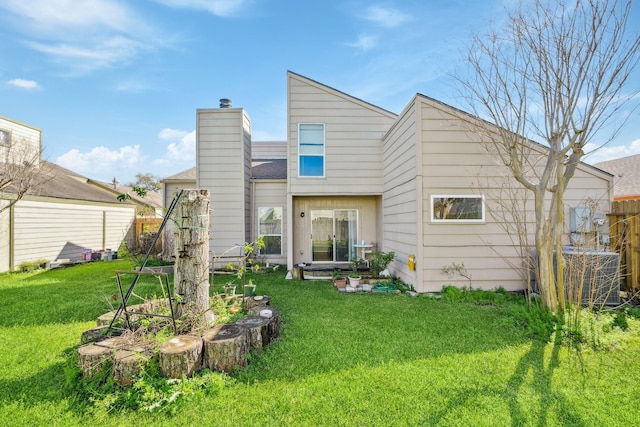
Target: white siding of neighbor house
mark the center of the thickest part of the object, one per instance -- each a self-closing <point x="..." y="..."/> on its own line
<point x="50" y="230"/>
<point x="353" y="129"/>
<point x="223" y="145"/>
<point x="270" y="194"/>
<point x="454" y="161"/>
<point x="401" y="213"/>
<point x="25" y="144"/>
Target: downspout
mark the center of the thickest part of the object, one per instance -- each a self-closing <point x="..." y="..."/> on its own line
<point x="104" y="229"/>
<point x="12" y="242"/>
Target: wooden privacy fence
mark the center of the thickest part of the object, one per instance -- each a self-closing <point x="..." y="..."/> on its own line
<point x="624" y="226"/>
<point x="145" y="229"/>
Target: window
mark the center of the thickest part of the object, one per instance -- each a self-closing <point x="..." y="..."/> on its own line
<point x="454" y="208"/>
<point x="270" y="228"/>
<point x="5" y="137"/>
<point x="311" y="149"/>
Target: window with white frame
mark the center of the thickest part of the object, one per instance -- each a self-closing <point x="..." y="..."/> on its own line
<point x="311" y="149"/>
<point x="5" y="137"/>
<point x="457" y="208"/>
<point x="270" y="228"/>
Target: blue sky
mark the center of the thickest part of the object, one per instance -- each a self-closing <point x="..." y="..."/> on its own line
<point x="114" y="84"/>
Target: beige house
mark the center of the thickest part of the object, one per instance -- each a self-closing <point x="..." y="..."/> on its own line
<point x="61" y="217"/>
<point x="358" y="178"/>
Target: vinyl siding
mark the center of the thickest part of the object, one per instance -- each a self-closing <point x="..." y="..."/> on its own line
<point x="25" y="142"/>
<point x="270" y="194"/>
<point x="224" y="168"/>
<point x="400" y="197"/>
<point x="455" y="162"/>
<point x="353" y="130"/>
<point x="5" y="241"/>
<point x="53" y="231"/>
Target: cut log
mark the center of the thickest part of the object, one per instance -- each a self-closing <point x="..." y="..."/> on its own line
<point x="127" y="364"/>
<point x="258" y="328"/>
<point x="92" y="357"/>
<point x="106" y="318"/>
<point x="225" y="347"/>
<point x="274" y="319"/>
<point x="180" y="356"/>
<point x="94" y="334"/>
<point x="261" y="300"/>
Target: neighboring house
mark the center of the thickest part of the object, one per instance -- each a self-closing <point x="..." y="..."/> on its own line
<point x="626" y="177"/>
<point x="421" y="184"/>
<point x="61" y="217"/>
<point x="149" y="206"/>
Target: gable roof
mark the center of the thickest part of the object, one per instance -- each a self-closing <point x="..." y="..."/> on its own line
<point x="261" y="169"/>
<point x="152" y="199"/>
<point x="626" y="176"/>
<point x="68" y="185"/>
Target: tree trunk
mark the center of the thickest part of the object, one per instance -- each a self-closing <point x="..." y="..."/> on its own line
<point x="91" y="357"/>
<point x="274" y="320"/>
<point x="180" y="356"/>
<point x="258" y="328"/>
<point x="128" y="363"/>
<point x="225" y="347"/>
<point x="191" y="278"/>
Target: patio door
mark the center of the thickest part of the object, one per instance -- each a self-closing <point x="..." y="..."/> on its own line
<point x="333" y="234"/>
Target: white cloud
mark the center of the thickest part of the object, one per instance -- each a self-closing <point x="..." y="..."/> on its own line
<point x="385" y="16"/>
<point x="101" y="162"/>
<point x="215" y="7"/>
<point x="596" y="154"/>
<point x="183" y="147"/>
<point x="24" y="84"/>
<point x="83" y="36"/>
<point x="364" y="43"/>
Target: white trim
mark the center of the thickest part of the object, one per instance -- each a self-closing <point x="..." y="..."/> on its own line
<point x="323" y="155"/>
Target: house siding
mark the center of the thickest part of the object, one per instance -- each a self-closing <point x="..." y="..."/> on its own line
<point x="455" y="161"/>
<point x="400" y="194"/>
<point x="25" y="142"/>
<point x="224" y="165"/>
<point x="5" y="232"/>
<point x="353" y="129"/>
<point x="49" y="230"/>
<point x="270" y="194"/>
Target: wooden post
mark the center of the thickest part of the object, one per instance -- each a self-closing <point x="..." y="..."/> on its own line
<point x="191" y="248"/>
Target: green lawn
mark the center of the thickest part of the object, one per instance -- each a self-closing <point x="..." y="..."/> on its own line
<point x="343" y="360"/>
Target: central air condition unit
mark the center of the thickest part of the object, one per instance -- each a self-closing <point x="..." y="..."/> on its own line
<point x="596" y="271"/>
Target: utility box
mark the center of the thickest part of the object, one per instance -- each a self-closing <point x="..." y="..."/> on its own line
<point x="580" y="220"/>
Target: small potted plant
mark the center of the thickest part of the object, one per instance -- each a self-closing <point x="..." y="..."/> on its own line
<point x="229" y="289"/>
<point x="339" y="280"/>
<point x="354" y="277"/>
<point x="249" y="289"/>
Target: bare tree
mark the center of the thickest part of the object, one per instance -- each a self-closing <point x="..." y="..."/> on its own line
<point x="555" y="74"/>
<point x="147" y="181"/>
<point x="21" y="171"/>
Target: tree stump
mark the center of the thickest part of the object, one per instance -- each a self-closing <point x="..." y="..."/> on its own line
<point x="225" y="347"/>
<point x="180" y="356"/>
<point x="106" y="318"/>
<point x="258" y="328"/>
<point x="274" y="320"/>
<point x="261" y="301"/>
<point x="128" y="363"/>
<point x="94" y="334"/>
<point x="91" y="357"/>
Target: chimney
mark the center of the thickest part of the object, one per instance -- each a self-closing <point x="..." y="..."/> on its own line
<point x="225" y="103"/>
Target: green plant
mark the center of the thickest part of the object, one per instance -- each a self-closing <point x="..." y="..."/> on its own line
<point x="380" y="261"/>
<point x="355" y="264"/>
<point x="30" y="266"/>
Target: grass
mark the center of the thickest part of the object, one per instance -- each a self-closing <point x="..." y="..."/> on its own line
<point x="343" y="360"/>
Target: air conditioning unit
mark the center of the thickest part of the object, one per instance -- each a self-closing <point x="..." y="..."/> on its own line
<point x="596" y="271"/>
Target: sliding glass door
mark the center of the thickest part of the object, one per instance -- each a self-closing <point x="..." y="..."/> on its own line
<point x="333" y="234"/>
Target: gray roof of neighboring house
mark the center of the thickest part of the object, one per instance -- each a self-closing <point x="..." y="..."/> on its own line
<point x="153" y="199"/>
<point x="66" y="184"/>
<point x="626" y="175"/>
<point x="260" y="169"/>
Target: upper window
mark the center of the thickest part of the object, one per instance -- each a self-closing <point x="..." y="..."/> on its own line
<point x="5" y="137"/>
<point x="455" y="208"/>
<point x="311" y="149"/>
<point x="270" y="228"/>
